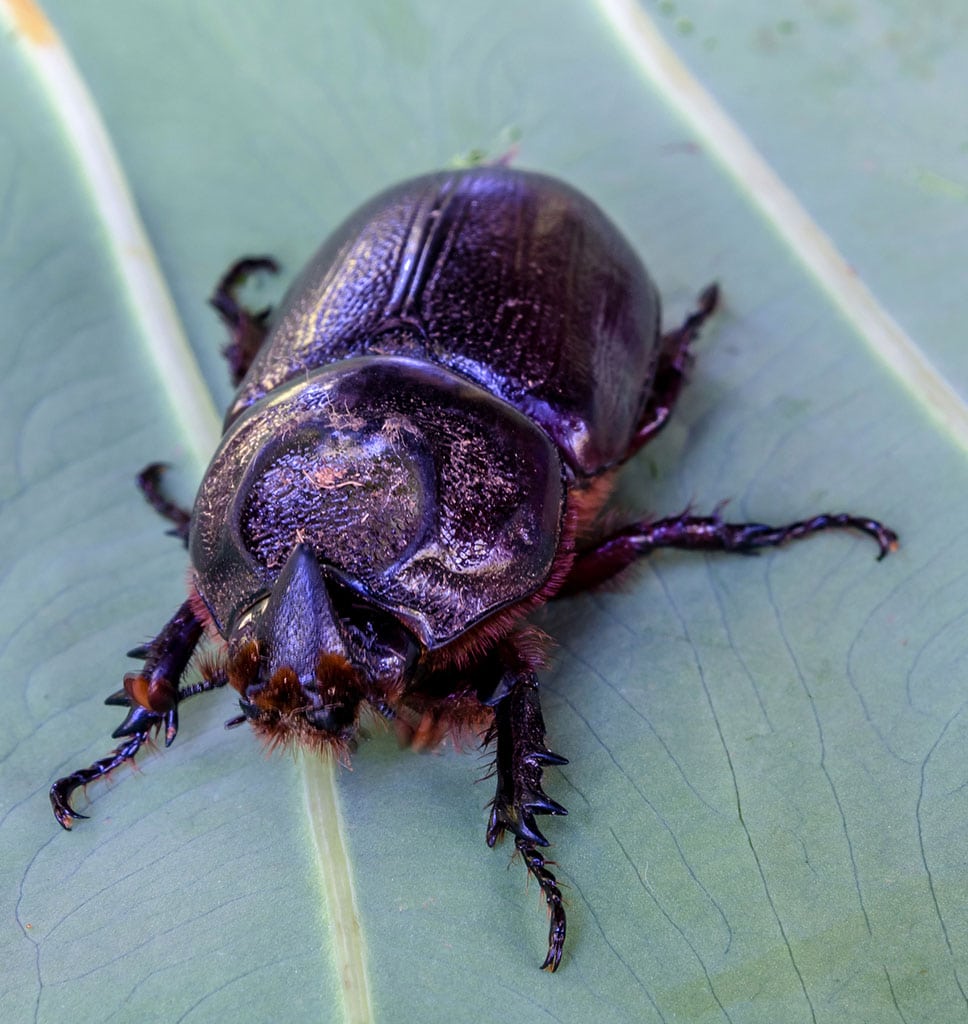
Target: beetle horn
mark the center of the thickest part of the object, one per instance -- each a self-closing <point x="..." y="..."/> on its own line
<point x="299" y="622"/>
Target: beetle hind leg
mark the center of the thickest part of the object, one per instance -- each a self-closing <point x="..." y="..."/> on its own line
<point x="675" y="358"/>
<point x="247" y="328"/>
<point x="521" y="755"/>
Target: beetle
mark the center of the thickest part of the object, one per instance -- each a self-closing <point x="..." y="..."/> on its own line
<point x="422" y="441"/>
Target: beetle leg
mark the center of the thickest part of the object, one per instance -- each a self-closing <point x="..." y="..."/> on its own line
<point x="155" y="687"/>
<point x="518" y="731"/>
<point x="149" y="483"/>
<point x="675" y="358"/>
<point x="705" y="533"/>
<point x="153" y="696"/>
<point x="61" y="790"/>
<point x="248" y="329"/>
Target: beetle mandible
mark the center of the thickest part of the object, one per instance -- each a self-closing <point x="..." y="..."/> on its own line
<point x="416" y="458"/>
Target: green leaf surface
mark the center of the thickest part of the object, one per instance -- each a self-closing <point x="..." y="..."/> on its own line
<point x="859" y="107"/>
<point x="767" y="798"/>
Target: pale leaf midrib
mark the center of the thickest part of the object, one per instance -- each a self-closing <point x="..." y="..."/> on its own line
<point x="144" y="287"/>
<point x="734" y="152"/>
<point x="193" y="406"/>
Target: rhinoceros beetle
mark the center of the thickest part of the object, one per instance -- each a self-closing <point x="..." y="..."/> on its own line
<point x="417" y="456"/>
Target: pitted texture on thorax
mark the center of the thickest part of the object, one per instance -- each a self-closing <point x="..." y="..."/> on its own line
<point x="432" y="497"/>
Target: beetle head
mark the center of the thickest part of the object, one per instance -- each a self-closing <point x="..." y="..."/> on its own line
<point x="303" y="669"/>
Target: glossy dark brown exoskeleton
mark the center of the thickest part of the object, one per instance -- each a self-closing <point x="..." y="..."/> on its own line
<point x="415" y="459"/>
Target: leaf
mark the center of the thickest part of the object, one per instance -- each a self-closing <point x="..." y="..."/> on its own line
<point x="767" y="768"/>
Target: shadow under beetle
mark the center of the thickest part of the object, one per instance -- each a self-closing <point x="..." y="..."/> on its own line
<point x="415" y="459"/>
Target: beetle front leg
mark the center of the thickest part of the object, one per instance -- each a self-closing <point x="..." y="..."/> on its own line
<point x="705" y="533"/>
<point x="62" y="789"/>
<point x="518" y="731"/>
<point x="153" y="696"/>
<point x="248" y="329"/>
